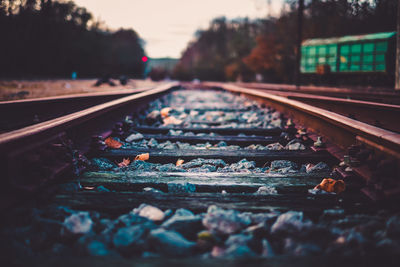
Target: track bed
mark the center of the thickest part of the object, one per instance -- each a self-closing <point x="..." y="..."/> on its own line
<point x="201" y="177"/>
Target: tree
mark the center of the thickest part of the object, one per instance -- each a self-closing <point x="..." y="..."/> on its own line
<point x="52" y="38"/>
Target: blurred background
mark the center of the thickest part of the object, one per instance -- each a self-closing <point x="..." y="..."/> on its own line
<point x="236" y="40"/>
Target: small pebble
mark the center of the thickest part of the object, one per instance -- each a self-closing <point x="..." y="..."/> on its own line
<point x="149" y="212"/>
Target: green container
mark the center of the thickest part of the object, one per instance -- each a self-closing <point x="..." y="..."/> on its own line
<point x="357" y="53"/>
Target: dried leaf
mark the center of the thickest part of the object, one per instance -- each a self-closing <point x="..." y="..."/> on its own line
<point x="179" y="162"/>
<point x="165" y="112"/>
<point x="331" y="185"/>
<point x="143" y="157"/>
<point x="172" y="120"/>
<point x="124" y="163"/>
<point x="112" y="143"/>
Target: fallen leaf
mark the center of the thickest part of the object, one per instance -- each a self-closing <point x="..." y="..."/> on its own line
<point x="165" y="112"/>
<point x="331" y="185"/>
<point x="112" y="143"/>
<point x="179" y="162"/>
<point x="172" y="120"/>
<point x="143" y="157"/>
<point x="124" y="163"/>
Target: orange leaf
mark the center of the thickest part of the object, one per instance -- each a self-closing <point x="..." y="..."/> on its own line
<point x="124" y="163"/>
<point x="143" y="157"/>
<point x="179" y="162"/>
<point x="112" y="143"/>
<point x="331" y="185"/>
<point x="165" y="112"/>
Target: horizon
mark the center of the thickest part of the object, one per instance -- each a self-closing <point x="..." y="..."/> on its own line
<point x="169" y="34"/>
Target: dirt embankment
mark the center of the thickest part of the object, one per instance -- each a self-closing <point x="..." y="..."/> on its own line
<point x="25" y="89"/>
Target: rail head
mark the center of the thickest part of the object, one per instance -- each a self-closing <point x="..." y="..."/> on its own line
<point x="23" y="102"/>
<point x="388" y="142"/>
<point x="32" y="156"/>
<point x="61" y="123"/>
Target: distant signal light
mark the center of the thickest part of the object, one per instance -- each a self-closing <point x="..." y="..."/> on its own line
<point x="144" y="59"/>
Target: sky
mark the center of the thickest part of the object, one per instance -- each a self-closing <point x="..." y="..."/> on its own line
<point x="167" y="26"/>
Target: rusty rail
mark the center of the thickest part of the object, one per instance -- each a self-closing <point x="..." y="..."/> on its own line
<point x="31" y="156"/>
<point x="383" y="95"/>
<point x="338" y="129"/>
<point x="21" y="113"/>
<point x="377" y="114"/>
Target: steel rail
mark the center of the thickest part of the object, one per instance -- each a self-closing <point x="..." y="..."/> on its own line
<point x="339" y="129"/>
<point x="21" y="113"/>
<point x="378" y="114"/>
<point x="16" y="145"/>
<point x="370" y="94"/>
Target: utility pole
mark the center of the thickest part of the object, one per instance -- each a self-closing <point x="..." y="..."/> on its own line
<point x="299" y="39"/>
<point x="397" y="71"/>
<point x="269" y="8"/>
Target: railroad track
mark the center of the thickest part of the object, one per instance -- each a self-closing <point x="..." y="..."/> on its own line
<point x="360" y="106"/>
<point x="17" y="114"/>
<point x="170" y="175"/>
<point x="378" y="95"/>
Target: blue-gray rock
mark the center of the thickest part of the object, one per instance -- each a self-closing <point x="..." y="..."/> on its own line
<point x="266" y="190"/>
<point x="175" y="133"/>
<point x="102" y="189"/>
<point x="222" y="144"/>
<point x="245" y="164"/>
<point x="168" y="213"/>
<point x="169" y="168"/>
<point x="78" y="223"/>
<point x="197" y="163"/>
<point x="139" y="165"/>
<point x="179" y="188"/>
<point x="149" y="212"/>
<point x="183" y="212"/>
<point x="208" y="168"/>
<point x="275" y="146"/>
<point x="170" y="243"/>
<point x="280" y="164"/>
<point x="185" y="223"/>
<point x="321" y="167"/>
<point x="238" y="239"/>
<point x="134" y="137"/>
<point x="152" y="143"/>
<point x="224" y="222"/>
<point x="295" y="144"/>
<point x="102" y="164"/>
<point x="239" y="252"/>
<point x="97" y="248"/>
<point x="290" y="222"/>
<point x="130" y="219"/>
<point x="130" y="239"/>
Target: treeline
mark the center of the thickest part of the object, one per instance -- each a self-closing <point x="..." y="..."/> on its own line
<point x="45" y="38"/>
<point x="239" y="49"/>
